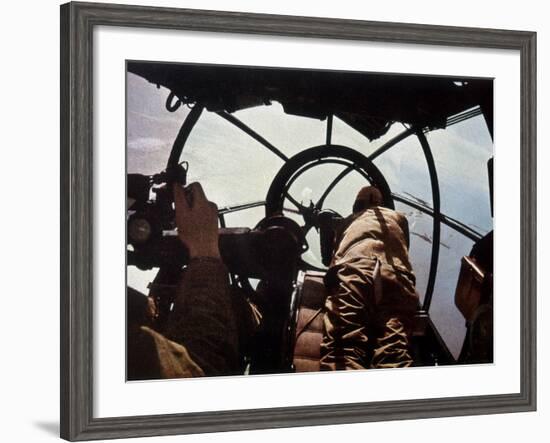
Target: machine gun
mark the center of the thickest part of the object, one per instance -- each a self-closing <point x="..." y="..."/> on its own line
<point x="152" y="239"/>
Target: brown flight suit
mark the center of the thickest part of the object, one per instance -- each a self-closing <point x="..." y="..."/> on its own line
<point x="372" y="299"/>
<point x="201" y="337"/>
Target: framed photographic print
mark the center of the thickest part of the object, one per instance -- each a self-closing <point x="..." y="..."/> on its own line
<point x="273" y="221"/>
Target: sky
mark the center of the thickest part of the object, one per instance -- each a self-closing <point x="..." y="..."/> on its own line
<point x="233" y="168"/>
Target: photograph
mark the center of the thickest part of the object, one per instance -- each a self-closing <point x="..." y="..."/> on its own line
<point x="287" y="220"/>
<point x="283" y="220"/>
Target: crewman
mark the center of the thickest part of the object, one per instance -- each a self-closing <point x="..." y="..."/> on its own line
<point x="372" y="301"/>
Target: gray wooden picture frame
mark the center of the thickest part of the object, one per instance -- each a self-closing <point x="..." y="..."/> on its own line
<point x="77" y="23"/>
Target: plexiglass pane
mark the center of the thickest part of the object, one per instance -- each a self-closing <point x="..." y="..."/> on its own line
<point x="232" y="167"/>
<point x="446" y="317"/>
<point x="420" y="250"/>
<point x="461" y="153"/>
<point x="343" y="195"/>
<point x="311" y="185"/>
<point x="288" y="133"/>
<point x="247" y="218"/>
<point x="405" y="169"/>
<point x="308" y="188"/>
<point x="151" y="129"/>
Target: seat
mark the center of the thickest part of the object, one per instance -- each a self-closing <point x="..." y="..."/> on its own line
<point x="309" y="322"/>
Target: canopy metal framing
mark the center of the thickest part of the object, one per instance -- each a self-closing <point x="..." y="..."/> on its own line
<point x="434" y="211"/>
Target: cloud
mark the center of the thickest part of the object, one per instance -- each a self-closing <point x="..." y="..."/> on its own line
<point x="147" y="144"/>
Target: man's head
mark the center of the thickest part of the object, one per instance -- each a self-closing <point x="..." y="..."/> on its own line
<point x="367" y="197"/>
